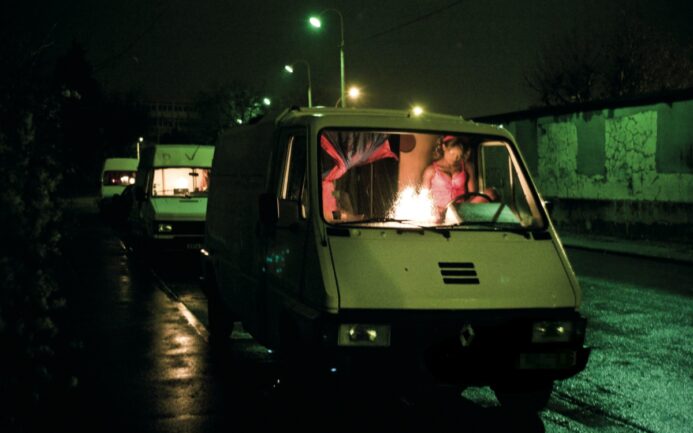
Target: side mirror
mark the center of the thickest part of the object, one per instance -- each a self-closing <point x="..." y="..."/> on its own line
<point x="289" y="213"/>
<point x="548" y="205"/>
<point x="269" y="208"/>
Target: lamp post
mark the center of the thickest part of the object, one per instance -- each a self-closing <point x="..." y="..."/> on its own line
<point x="139" y="143"/>
<point x="290" y="69"/>
<point x="315" y="22"/>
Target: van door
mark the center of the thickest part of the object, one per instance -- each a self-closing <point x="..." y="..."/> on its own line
<point x="285" y="257"/>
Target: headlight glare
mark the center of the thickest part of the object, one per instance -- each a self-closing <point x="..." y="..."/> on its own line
<point x="554" y="331"/>
<point x="356" y="334"/>
<point x="164" y="228"/>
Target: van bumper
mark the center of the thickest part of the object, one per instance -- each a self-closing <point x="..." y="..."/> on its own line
<point x="465" y="348"/>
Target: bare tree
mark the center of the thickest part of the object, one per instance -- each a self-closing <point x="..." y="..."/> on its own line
<point x="633" y="60"/>
<point x="567" y="71"/>
<point x="225" y="107"/>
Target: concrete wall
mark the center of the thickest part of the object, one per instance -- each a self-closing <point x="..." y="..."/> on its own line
<point x="617" y="168"/>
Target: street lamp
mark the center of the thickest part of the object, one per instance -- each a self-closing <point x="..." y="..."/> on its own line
<point x="139" y="143"/>
<point x="353" y="93"/>
<point x="290" y="69"/>
<point x="315" y="22"/>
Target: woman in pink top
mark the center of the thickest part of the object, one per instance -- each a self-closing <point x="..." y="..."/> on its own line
<point x="451" y="174"/>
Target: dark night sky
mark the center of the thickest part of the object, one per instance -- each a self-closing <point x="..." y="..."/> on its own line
<point x="467" y="58"/>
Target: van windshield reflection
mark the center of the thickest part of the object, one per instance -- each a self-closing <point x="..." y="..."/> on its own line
<point x="180" y="182"/>
<point x="450" y="180"/>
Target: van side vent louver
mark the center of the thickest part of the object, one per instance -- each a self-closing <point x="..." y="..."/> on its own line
<point x="458" y="273"/>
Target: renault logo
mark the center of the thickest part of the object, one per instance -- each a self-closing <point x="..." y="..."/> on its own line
<point x="466" y="335"/>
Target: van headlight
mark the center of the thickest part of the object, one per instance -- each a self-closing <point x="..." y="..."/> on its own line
<point x="357" y="334"/>
<point x="553" y="331"/>
<point x="164" y="228"/>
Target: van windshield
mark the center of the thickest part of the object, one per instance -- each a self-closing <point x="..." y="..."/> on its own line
<point x="118" y="178"/>
<point x="180" y="182"/>
<point x="455" y="180"/>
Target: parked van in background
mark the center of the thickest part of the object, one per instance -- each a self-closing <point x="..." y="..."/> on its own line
<point x="322" y="241"/>
<point x="170" y="192"/>
<point x="116" y="174"/>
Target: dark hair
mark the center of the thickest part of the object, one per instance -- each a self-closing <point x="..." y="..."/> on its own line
<point x="446" y="142"/>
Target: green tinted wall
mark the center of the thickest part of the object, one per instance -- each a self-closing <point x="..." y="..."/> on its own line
<point x="637" y="153"/>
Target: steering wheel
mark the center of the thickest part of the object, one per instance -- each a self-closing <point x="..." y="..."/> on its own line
<point x="467" y="195"/>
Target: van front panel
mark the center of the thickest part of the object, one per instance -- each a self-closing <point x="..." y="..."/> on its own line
<point x="414" y="269"/>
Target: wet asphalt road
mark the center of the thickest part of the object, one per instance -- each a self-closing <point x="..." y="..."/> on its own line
<point x="145" y="365"/>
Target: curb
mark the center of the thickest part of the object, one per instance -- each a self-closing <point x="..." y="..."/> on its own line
<point x="678" y="253"/>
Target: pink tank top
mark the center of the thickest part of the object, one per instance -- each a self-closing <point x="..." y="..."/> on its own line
<point x="444" y="188"/>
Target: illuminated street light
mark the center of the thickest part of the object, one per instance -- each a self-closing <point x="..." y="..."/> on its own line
<point x="290" y="69"/>
<point x="417" y="111"/>
<point x="315" y="22"/>
<point x="139" y="143"/>
<point x="266" y="101"/>
<point x="353" y="93"/>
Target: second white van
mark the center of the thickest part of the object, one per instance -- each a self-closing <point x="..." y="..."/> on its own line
<point x="170" y="192"/>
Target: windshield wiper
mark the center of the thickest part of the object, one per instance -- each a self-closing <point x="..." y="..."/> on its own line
<point x="372" y="220"/>
<point x="445" y="232"/>
<point x="497" y="227"/>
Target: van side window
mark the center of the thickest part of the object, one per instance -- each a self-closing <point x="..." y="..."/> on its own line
<point x="294" y="172"/>
<point x="500" y="170"/>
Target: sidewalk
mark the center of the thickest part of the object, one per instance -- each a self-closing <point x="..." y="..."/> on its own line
<point x="675" y="252"/>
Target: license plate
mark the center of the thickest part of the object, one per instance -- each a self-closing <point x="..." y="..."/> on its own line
<point x="194" y="246"/>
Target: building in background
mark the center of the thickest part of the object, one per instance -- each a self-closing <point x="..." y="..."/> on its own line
<point x="617" y="167"/>
<point x="170" y="118"/>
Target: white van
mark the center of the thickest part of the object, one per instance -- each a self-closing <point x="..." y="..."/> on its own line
<point x="170" y="192"/>
<point x="116" y="174"/>
<point x="321" y="239"/>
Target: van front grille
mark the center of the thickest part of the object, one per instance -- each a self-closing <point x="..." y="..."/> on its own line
<point x="458" y="273"/>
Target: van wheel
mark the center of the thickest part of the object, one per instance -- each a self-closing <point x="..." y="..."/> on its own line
<point x="220" y="323"/>
<point x="524" y="397"/>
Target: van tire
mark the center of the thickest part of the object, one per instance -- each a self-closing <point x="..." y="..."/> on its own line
<point x="524" y="397"/>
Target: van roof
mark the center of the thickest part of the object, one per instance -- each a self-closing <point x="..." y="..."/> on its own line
<point x="120" y="164"/>
<point x="383" y="118"/>
<point x="177" y="155"/>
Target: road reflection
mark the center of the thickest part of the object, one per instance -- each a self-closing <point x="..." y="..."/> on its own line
<point x="277" y="399"/>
